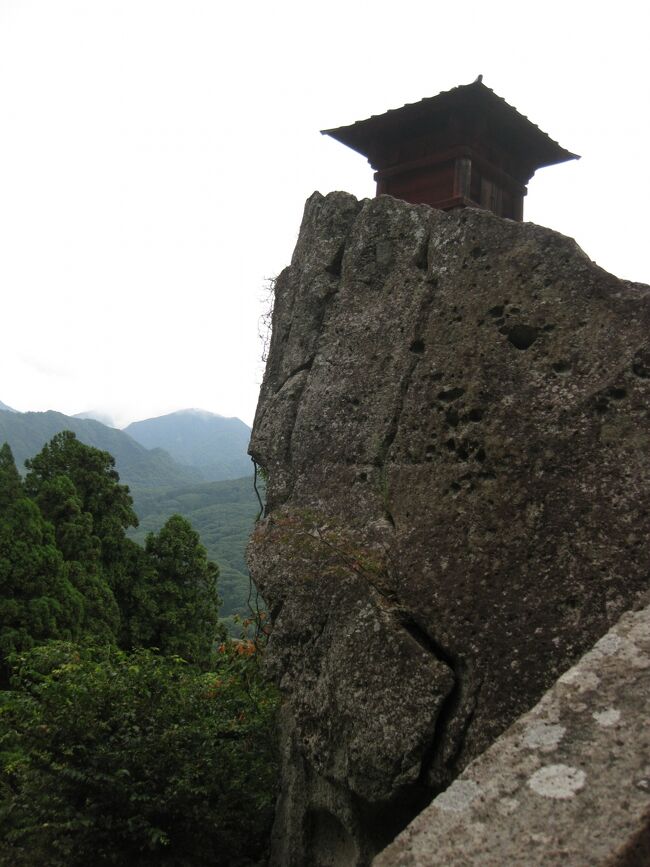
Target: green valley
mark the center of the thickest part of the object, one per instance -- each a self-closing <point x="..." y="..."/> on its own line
<point x="223" y="513"/>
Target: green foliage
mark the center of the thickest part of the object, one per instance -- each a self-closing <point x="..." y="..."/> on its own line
<point x="37" y="599"/>
<point x="60" y="502"/>
<point x="10" y="482"/>
<point x="133" y="580"/>
<point x="163" y="597"/>
<point x="77" y="489"/>
<point x="111" y="758"/>
<point x="96" y="482"/>
<point x="108" y="756"/>
<point x="185" y="591"/>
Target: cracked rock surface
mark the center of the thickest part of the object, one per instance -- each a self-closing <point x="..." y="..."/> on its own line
<point x="454" y="422"/>
<point x="567" y="785"/>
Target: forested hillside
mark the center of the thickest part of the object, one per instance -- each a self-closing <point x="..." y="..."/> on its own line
<point x="223" y="513"/>
<point x="132" y="729"/>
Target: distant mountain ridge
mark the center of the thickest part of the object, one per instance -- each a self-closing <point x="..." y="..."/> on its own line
<point x="212" y="444"/>
<point x="27" y="433"/>
<point x="5" y="408"/>
<point x="180" y="448"/>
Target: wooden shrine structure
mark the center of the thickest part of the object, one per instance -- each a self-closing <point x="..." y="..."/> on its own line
<point x="465" y="147"/>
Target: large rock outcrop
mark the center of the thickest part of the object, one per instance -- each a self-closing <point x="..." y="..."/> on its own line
<point x="454" y="423"/>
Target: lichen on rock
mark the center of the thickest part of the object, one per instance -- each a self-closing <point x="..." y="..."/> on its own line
<point x="454" y="423"/>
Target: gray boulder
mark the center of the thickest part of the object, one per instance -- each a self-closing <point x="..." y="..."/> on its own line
<point x="454" y="422"/>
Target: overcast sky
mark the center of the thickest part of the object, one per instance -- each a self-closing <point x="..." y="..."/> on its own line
<point x="155" y="156"/>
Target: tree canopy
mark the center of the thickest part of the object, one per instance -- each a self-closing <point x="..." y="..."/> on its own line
<point x="67" y="524"/>
<point x="125" y="738"/>
<point x="120" y="759"/>
<point x="96" y="483"/>
<point x="10" y="482"/>
<point x="185" y="590"/>
<point x="37" y="600"/>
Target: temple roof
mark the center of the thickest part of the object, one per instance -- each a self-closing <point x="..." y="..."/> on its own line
<point x="506" y="125"/>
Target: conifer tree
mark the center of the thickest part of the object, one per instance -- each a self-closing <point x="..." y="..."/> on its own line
<point x="96" y="482"/>
<point x="184" y="594"/>
<point x="81" y="550"/>
<point x="77" y="488"/>
<point x="37" y="600"/>
<point x="11" y="485"/>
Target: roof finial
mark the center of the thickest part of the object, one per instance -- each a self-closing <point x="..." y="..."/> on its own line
<point x="479" y="80"/>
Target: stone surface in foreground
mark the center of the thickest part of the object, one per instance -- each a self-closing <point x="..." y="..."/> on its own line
<point x="568" y="784"/>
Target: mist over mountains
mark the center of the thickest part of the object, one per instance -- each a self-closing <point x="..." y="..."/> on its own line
<point x="96" y="415"/>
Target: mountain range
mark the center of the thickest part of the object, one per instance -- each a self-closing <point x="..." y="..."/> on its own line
<point x="184" y="447"/>
<point x="27" y="433"/>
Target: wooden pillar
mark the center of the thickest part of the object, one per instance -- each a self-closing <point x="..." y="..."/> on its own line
<point x="462" y="177"/>
<point x="518" y="208"/>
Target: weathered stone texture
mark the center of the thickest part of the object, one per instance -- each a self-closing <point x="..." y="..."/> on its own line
<point x="568" y="785"/>
<point x="454" y="421"/>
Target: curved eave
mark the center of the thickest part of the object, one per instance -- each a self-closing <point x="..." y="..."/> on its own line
<point x="361" y="135"/>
